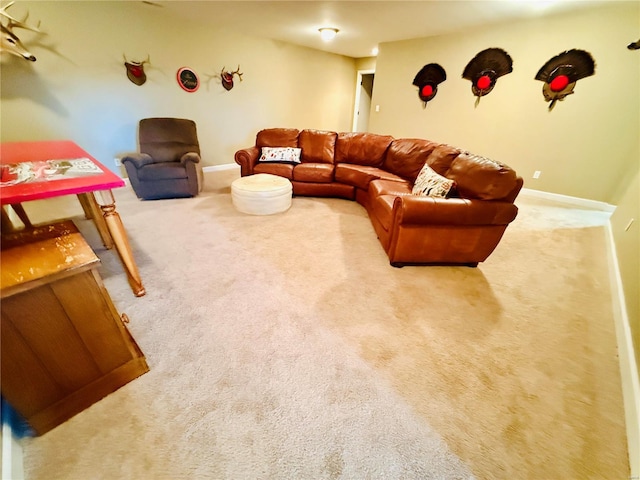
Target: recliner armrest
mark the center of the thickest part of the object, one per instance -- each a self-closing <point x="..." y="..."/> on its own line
<point x="138" y="160"/>
<point x="190" y="157"/>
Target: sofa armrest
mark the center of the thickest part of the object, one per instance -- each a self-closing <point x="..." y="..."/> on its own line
<point x="138" y="160"/>
<point x="190" y="157"/>
<point x="418" y="210"/>
<point x="247" y="158"/>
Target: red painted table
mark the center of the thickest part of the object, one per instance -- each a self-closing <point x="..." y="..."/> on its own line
<point x="46" y="169"/>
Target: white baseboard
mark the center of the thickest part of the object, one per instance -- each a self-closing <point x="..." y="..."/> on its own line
<point x="626" y="352"/>
<point x="626" y="357"/>
<point x="12" y="468"/>
<point x="217" y="168"/>
<point x="575" y="201"/>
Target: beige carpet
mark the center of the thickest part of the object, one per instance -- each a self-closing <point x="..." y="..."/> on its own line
<point x="286" y="347"/>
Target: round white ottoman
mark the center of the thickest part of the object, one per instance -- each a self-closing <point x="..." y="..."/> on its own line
<point x="261" y="194"/>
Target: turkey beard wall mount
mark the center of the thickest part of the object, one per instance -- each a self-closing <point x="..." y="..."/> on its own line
<point x="484" y="70"/>
<point x="561" y="73"/>
<point x="427" y="80"/>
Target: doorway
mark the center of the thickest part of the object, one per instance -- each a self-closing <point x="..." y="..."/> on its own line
<point x="362" y="108"/>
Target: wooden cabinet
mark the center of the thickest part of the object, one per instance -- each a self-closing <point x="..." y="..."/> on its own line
<point x="64" y="345"/>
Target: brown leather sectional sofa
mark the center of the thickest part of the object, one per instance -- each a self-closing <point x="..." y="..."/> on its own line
<point x="378" y="171"/>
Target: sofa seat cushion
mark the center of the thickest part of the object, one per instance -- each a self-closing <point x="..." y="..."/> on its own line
<point x="482" y="178"/>
<point x="162" y="171"/>
<point x="277" y="137"/>
<point x="360" y="148"/>
<point x="281" y="169"/>
<point x="313" y="172"/>
<point x="393" y="178"/>
<point x="381" y="187"/>
<point x="357" y="175"/>
<point x="406" y="156"/>
<point x="361" y="175"/>
<point x="318" y="146"/>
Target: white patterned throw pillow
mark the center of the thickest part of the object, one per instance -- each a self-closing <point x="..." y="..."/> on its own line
<point x="280" y="154"/>
<point x="429" y="183"/>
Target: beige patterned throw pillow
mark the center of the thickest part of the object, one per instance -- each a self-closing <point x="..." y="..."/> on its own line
<point x="429" y="183"/>
<point x="280" y="154"/>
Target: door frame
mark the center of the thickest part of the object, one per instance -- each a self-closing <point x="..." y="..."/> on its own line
<point x="354" y="123"/>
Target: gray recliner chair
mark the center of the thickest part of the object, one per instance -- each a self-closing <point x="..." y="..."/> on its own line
<point x="168" y="163"/>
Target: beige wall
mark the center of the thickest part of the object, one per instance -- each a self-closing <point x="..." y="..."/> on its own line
<point x="627" y="242"/>
<point x="78" y="89"/>
<point x="582" y="147"/>
<point x="366" y="63"/>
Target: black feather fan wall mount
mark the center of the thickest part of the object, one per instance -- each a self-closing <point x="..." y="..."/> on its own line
<point x="485" y="68"/>
<point x="561" y="73"/>
<point x="427" y="81"/>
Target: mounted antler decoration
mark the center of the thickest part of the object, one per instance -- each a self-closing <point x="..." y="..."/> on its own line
<point x="561" y="73"/>
<point x="427" y="80"/>
<point x="135" y="70"/>
<point x="10" y="41"/>
<point x="227" y="77"/>
<point x="485" y="68"/>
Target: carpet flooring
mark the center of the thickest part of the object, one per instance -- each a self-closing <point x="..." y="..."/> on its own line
<point x="287" y="347"/>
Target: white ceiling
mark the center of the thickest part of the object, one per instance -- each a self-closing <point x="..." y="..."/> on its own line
<point x="362" y="24"/>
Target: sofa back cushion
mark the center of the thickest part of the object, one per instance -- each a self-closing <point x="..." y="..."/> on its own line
<point x="317" y="146"/>
<point x="277" y="137"/>
<point x="406" y="156"/>
<point x="360" y="148"/>
<point x="442" y="157"/>
<point x="483" y="178"/>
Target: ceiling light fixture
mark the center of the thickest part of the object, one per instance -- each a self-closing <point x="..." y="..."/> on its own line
<point x="327" y="33"/>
